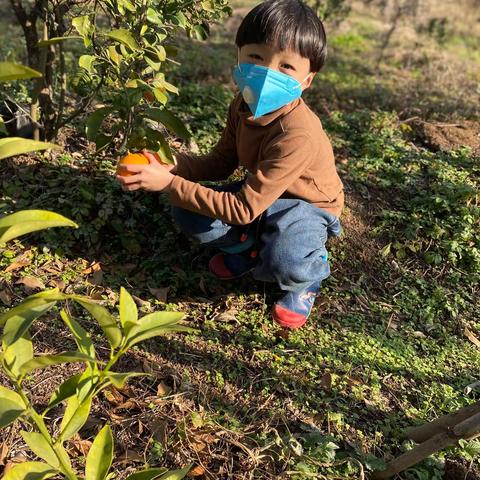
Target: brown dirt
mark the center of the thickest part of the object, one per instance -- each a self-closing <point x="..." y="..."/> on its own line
<point x="445" y="137"/>
<point x="456" y="469"/>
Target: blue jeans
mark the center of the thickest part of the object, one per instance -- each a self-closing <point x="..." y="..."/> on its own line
<point x="293" y="234"/>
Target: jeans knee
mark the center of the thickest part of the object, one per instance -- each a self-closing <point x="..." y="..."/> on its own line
<point x="293" y="272"/>
<point x="203" y="229"/>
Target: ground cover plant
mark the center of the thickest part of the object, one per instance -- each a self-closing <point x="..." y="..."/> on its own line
<point x="394" y="338"/>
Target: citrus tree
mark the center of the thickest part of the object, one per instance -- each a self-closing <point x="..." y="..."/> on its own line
<point x="127" y="64"/>
<point x="128" y="43"/>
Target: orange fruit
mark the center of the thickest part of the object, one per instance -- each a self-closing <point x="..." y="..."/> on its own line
<point x="131" y="159"/>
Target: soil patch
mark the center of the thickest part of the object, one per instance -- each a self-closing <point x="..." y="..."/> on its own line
<point x="445" y="137"/>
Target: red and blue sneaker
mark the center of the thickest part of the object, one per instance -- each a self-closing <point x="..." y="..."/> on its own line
<point x="293" y="309"/>
<point x="228" y="266"/>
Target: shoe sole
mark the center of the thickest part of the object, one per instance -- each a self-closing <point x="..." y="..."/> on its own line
<point x="287" y="325"/>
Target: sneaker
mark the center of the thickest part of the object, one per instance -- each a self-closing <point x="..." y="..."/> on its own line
<point x="293" y="309"/>
<point x="228" y="266"/>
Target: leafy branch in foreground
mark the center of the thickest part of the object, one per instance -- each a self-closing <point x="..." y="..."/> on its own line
<point x="18" y="361"/>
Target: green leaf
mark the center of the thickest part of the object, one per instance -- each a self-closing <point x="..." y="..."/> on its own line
<point x="102" y="141"/>
<point x="11" y="146"/>
<point x="50" y="294"/>
<point x="168" y="119"/>
<point x="161" y="53"/>
<point x="41" y="448"/>
<point x="201" y="32"/>
<point x="152" y="325"/>
<point x="95" y="121"/>
<point x="28" y="221"/>
<point x="160" y="95"/>
<point x="176" y="474"/>
<point x="30" y="471"/>
<point x="182" y="19"/>
<point x="86" y="62"/>
<point x="82" y="338"/>
<point x="84" y="27"/>
<point x="160" y="319"/>
<point x="100" y="455"/>
<point x="11" y="406"/>
<point x="55" y="40"/>
<point x="114" y="55"/>
<point x="128" y="311"/>
<point x="75" y="416"/>
<point x="105" y="320"/>
<point x="162" y="146"/>
<point x="155" y="332"/>
<point x="13" y="71"/>
<point x="153" y="16"/>
<point x="208" y="6"/>
<point x="124" y="37"/>
<point x="128" y="5"/>
<point x="64" y="391"/>
<point x="118" y="380"/>
<point x="149" y="474"/>
<point x="3" y="129"/>
<point x="16" y="354"/>
<point x="155" y="66"/>
<point x="19" y="319"/>
<point x="48" y="360"/>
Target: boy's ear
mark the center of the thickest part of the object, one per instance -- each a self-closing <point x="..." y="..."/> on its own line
<point x="309" y="80"/>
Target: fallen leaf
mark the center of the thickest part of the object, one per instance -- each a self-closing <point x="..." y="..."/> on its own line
<point x="469" y="334"/>
<point x="5" y="297"/>
<point x="198" y="446"/>
<point x="128" y="405"/>
<point x="19" y="458"/>
<point x="113" y="396"/>
<point x="158" y="427"/>
<point x="60" y="284"/>
<point x="80" y="446"/>
<point x="163" y="389"/>
<point x="196" y="471"/>
<point x="20" y="262"/>
<point x="93" y="267"/>
<point x="3" y="453"/>
<point x="141" y="303"/>
<point x="31" y="283"/>
<point x="129" y="456"/>
<point x="326" y="381"/>
<point x="97" y="277"/>
<point x="228" y="316"/>
<point x="160" y="293"/>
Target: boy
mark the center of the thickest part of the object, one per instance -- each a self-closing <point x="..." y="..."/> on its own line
<point x="291" y="198"/>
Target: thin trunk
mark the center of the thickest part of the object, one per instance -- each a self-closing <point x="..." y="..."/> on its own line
<point x="467" y="429"/>
<point x="423" y="432"/>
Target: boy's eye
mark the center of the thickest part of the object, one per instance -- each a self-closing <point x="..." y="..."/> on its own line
<point x="287" y="66"/>
<point x="255" y="56"/>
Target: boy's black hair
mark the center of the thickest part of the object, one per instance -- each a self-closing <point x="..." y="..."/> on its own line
<point x="288" y="25"/>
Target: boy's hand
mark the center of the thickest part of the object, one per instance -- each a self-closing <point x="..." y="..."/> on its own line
<point x="154" y="177"/>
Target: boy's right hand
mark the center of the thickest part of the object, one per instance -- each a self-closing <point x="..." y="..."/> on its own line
<point x="153" y="159"/>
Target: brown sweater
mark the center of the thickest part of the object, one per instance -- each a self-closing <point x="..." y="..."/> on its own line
<point x="287" y="154"/>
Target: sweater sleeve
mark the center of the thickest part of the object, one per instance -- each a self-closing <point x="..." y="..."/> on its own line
<point x="218" y="164"/>
<point x="285" y="159"/>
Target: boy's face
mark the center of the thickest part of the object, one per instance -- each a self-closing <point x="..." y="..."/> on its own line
<point x="285" y="61"/>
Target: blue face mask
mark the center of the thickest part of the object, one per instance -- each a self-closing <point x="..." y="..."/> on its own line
<point x="265" y="89"/>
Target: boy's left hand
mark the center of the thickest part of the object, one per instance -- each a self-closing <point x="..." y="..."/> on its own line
<point x="154" y="177"/>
